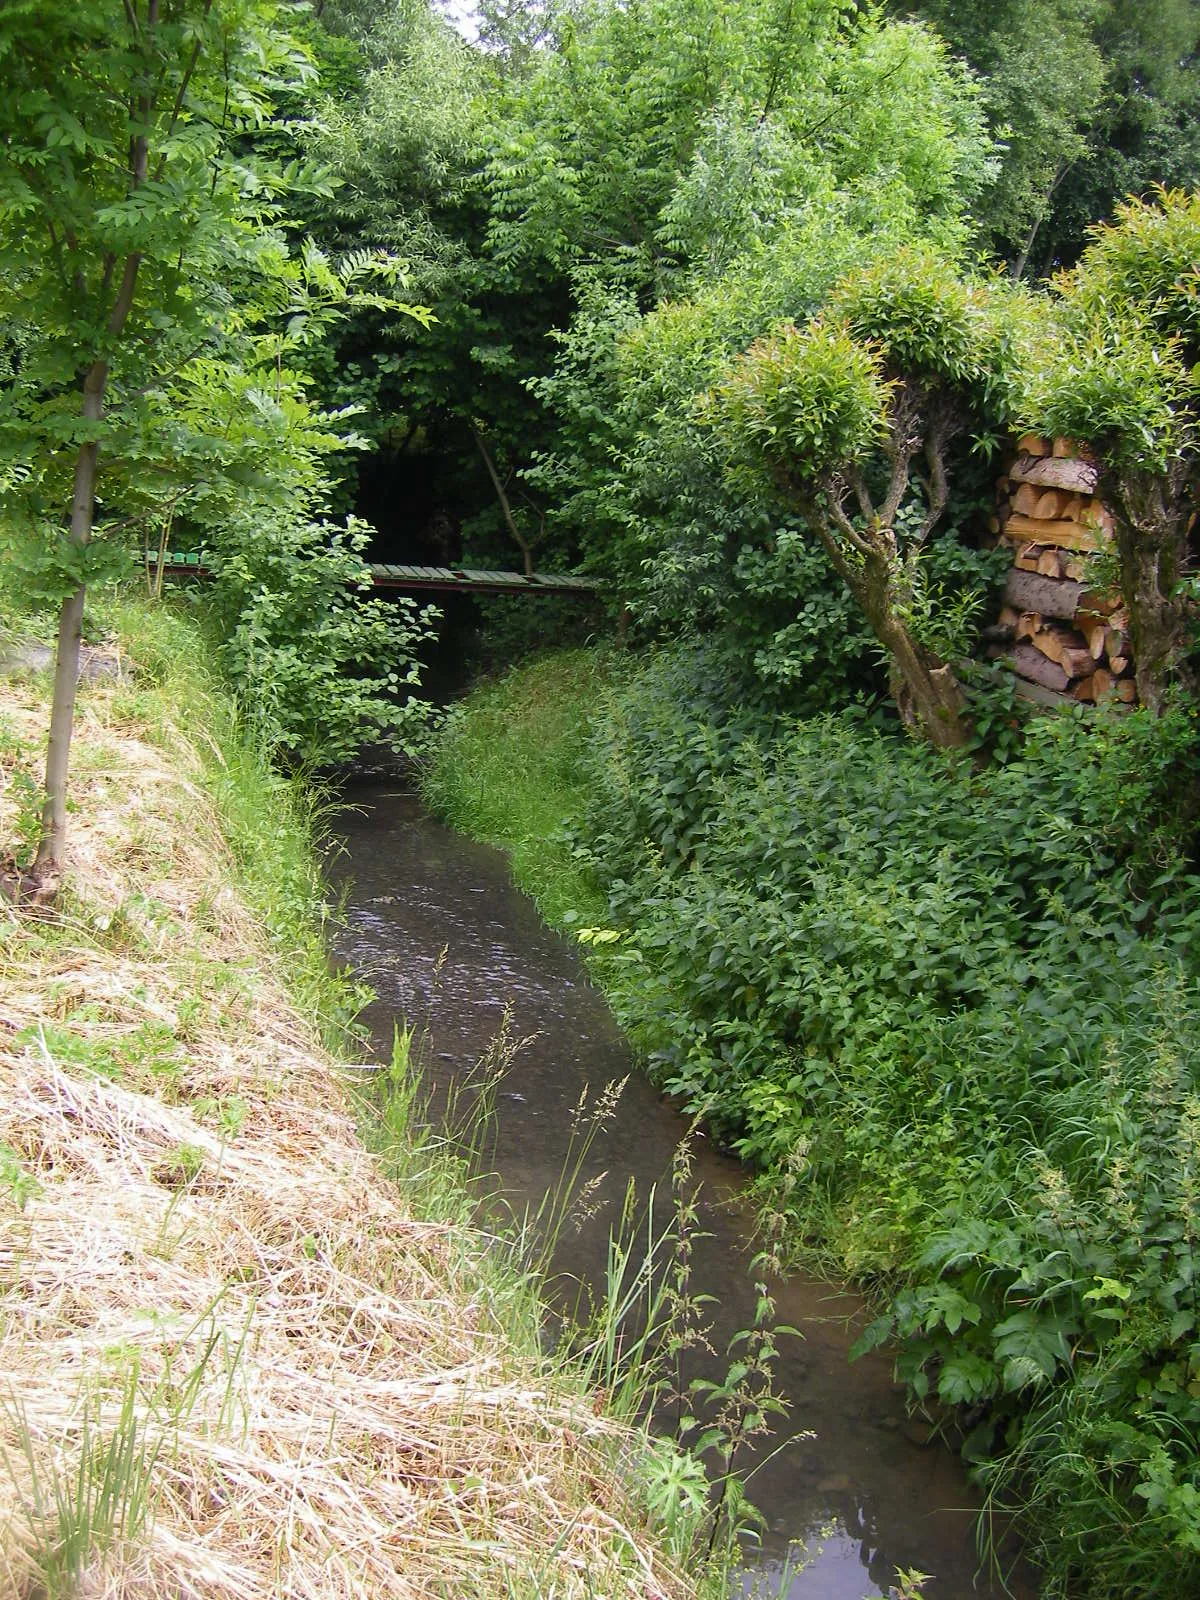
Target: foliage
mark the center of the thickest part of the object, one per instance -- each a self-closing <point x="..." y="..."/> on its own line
<point x="317" y="664"/>
<point x="1121" y="375"/>
<point x="815" y="398"/>
<point x="74" y="218"/>
<point x="1093" y="100"/>
<point x="950" y="1014"/>
<point x="859" y="960"/>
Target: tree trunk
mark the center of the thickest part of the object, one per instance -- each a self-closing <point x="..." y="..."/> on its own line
<point x="47" y="866"/>
<point x="926" y="692"/>
<point x="1151" y="535"/>
<point x="924" y="688"/>
<point x="505" y="507"/>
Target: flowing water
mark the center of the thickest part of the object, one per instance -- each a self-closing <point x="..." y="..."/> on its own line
<point x="435" y="926"/>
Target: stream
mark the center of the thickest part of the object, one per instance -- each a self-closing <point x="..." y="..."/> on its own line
<point x="434" y="925"/>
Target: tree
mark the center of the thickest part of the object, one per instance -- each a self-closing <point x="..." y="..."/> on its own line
<point x="852" y="418"/>
<point x="124" y="216"/>
<point x="1122" y="376"/>
<point x="1093" y="99"/>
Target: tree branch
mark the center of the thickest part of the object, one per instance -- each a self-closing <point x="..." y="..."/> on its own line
<point x="861" y="493"/>
<point x="837" y="511"/>
<point x="183" y="87"/>
<point x="505" y="507"/>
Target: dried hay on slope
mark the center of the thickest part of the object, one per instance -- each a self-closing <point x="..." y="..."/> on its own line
<point x="233" y="1363"/>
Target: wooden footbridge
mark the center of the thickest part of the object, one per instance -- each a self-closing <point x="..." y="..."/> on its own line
<point x="446" y="580"/>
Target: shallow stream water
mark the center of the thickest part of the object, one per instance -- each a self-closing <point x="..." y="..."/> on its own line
<point x="435" y="926"/>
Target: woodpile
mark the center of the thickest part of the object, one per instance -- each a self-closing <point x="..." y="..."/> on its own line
<point x="1065" y="639"/>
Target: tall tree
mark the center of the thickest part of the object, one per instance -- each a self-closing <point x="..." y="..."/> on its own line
<point x="1093" y="99"/>
<point x="126" y="215"/>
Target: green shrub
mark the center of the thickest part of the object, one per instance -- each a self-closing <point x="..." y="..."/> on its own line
<point x="952" y="1016"/>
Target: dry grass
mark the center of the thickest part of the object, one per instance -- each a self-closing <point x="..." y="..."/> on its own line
<point x="325" y="1398"/>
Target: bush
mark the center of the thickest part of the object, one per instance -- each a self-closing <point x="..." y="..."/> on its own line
<point x="952" y="1017"/>
<point x="319" y="666"/>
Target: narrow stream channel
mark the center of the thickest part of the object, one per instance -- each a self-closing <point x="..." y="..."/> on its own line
<point x="436" y="928"/>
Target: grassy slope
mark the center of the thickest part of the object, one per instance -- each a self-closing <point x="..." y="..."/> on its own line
<point x="510" y="773"/>
<point x="247" y="1362"/>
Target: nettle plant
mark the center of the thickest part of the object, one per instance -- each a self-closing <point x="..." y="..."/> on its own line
<point x="1122" y="375"/>
<point x="852" y="418"/>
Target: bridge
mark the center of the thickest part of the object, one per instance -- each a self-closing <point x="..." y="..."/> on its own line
<point x="446" y="580"/>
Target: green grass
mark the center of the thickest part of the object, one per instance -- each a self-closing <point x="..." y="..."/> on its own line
<point x="273" y="825"/>
<point x="510" y="771"/>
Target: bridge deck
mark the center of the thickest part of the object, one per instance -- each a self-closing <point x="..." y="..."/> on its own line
<point x="469" y="580"/>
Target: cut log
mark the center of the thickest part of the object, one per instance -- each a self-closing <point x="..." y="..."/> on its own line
<point x="1126" y="691"/>
<point x="1032" y="444"/>
<point x="1009" y="616"/>
<point x="1052" y="505"/>
<point x="1098" y="602"/>
<point x="1095" y="633"/>
<point x="1119" y="665"/>
<point x="1080" y="477"/>
<point x="1032" y="664"/>
<point x="1070" y="450"/>
<point x="1067" y="535"/>
<point x="1102" y="682"/>
<point x="1030" y="500"/>
<point x="1036" y="695"/>
<point x="1049" y="565"/>
<point x="1052" y="597"/>
<point x="1028" y="625"/>
<point x="993" y="524"/>
<point x="1049" y="643"/>
<point x="1085" y="690"/>
<point x="1075" y="569"/>
<point x="1076" y="663"/>
<point x="1027" y="559"/>
<point x="1048" y="505"/>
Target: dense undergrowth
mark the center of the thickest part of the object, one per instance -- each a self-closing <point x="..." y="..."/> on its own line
<point x="951" y="1015"/>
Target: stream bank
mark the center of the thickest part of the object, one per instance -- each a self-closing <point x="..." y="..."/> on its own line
<point x="240" y="1353"/>
<point x="434" y="925"/>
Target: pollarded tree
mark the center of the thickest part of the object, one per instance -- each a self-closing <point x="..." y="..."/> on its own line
<point x="127" y="220"/>
<point x="1122" y="375"/>
<point x="853" y="417"/>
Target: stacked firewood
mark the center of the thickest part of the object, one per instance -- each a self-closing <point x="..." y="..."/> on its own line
<point x="1065" y="638"/>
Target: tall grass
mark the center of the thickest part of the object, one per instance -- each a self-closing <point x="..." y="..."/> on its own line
<point x="511" y="770"/>
<point x="97" y="1496"/>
